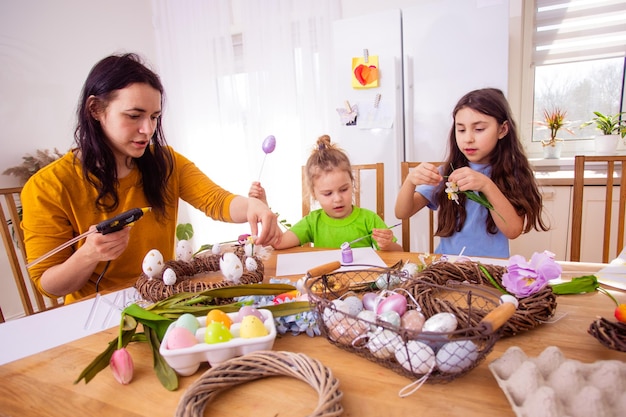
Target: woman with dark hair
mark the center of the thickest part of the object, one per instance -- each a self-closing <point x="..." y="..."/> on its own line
<point x="121" y="161"/>
<point x="486" y="156"/>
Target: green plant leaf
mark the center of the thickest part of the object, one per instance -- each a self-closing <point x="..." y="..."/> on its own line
<point x="164" y="372"/>
<point x="103" y="359"/>
<point x="578" y="285"/>
<point x="184" y="231"/>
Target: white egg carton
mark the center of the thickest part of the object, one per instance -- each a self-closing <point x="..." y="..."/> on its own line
<point x="552" y="386"/>
<point x="186" y="361"/>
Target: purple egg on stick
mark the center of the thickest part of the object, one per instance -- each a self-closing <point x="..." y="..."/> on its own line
<point x="269" y="144"/>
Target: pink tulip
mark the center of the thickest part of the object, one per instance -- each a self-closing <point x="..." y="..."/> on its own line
<point x="122" y="366"/>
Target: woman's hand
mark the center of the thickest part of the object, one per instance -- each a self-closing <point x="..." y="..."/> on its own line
<point x="258" y="212"/>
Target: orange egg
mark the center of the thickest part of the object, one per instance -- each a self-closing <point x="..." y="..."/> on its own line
<point x="218" y="316"/>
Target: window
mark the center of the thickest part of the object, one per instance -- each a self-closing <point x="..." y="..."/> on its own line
<point x="576" y="63"/>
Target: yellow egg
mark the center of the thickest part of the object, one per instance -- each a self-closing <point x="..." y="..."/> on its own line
<point x="251" y="327"/>
<point x="218" y="316"/>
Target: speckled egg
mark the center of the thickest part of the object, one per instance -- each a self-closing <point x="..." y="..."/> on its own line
<point x="413" y="320"/>
<point x="184" y="251"/>
<point x="169" y="276"/>
<point x="440" y="323"/>
<point x="251" y="264"/>
<point x="248" y="311"/>
<point x="219" y="316"/>
<point x="416" y="357"/>
<point x="216" y="332"/>
<point x="152" y="264"/>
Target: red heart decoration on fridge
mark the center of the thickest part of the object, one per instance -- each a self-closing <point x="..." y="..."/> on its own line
<point x="366" y="74"/>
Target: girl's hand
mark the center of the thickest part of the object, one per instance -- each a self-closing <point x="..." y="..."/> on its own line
<point x="258" y="192"/>
<point x="383" y="238"/>
<point x="424" y="174"/>
<point x="469" y="180"/>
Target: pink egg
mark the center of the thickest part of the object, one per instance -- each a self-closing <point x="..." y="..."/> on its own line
<point x="180" y="337"/>
<point x="369" y="300"/>
<point x="393" y="302"/>
<point x="248" y="311"/>
<point x="413" y="320"/>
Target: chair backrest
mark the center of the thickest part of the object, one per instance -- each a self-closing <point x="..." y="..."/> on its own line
<point x="13" y="239"/>
<point x="611" y="163"/>
<point x="357" y="171"/>
<point x="405" y="166"/>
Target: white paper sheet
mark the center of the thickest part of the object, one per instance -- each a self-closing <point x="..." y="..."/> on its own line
<point x="300" y="263"/>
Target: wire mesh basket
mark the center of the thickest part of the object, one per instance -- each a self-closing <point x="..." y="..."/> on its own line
<point x="462" y="321"/>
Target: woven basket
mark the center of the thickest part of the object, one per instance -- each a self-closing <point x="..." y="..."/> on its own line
<point x="532" y="310"/>
<point x="262" y="364"/>
<point x="436" y="356"/>
<point x="189" y="276"/>
<point x="611" y="334"/>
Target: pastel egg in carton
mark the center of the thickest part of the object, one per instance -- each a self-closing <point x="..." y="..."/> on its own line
<point x="552" y="386"/>
<point x="186" y="361"/>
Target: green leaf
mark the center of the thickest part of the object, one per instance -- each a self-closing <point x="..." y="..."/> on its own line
<point x="288" y="309"/>
<point x="578" y="285"/>
<point x="149" y="318"/>
<point x="184" y="231"/>
<point x="491" y="279"/>
<point x="164" y="372"/>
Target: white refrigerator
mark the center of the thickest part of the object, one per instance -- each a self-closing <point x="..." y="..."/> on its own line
<point x="428" y="56"/>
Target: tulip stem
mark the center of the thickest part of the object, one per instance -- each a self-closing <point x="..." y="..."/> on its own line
<point x="603" y="291"/>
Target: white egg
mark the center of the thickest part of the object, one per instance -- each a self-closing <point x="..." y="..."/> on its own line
<point x="440" y="323"/>
<point x="251" y="264"/>
<point x="457" y="356"/>
<point x="152" y="264"/>
<point x="231" y="267"/>
<point x="383" y="343"/>
<point x="216" y="249"/>
<point x="416" y="357"/>
<point x="411" y="269"/>
<point x="169" y="276"/>
<point x="354" y="304"/>
<point x="387" y="281"/>
<point x="368" y="316"/>
<point x="248" y="249"/>
<point x="332" y="317"/>
<point x="184" y="251"/>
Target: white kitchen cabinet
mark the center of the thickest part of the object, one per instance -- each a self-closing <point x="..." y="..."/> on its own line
<point x="557" y="213"/>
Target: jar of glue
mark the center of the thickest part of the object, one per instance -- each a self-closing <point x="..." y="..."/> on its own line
<point x="346" y="253"/>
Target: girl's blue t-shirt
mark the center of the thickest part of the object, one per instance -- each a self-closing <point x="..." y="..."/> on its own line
<point x="473" y="239"/>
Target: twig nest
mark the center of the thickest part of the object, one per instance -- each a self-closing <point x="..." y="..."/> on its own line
<point x="152" y="264"/>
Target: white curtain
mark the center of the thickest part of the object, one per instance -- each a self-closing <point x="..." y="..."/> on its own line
<point x="235" y="72"/>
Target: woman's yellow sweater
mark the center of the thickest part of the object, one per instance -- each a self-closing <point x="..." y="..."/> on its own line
<point x="59" y="204"/>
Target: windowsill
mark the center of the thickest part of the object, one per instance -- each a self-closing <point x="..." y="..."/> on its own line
<point x="565" y="161"/>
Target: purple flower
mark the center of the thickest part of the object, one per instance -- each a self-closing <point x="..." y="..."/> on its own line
<point x="526" y="278"/>
<point x="122" y="366"/>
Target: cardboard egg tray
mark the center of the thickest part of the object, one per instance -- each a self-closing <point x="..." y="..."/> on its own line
<point x="552" y="386"/>
<point x="186" y="361"/>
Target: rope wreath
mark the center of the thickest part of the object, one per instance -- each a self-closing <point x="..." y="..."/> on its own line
<point x="262" y="364"/>
<point x="532" y="310"/>
<point x="155" y="289"/>
<point x="611" y="334"/>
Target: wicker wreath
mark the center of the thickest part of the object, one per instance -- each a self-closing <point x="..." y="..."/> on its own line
<point x="155" y="289"/>
<point x="262" y="364"/>
<point x="611" y="334"/>
<point x="531" y="312"/>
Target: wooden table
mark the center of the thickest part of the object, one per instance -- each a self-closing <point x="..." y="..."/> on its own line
<point x="43" y="384"/>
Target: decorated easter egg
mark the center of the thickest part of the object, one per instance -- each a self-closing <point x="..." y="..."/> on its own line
<point x="346" y="330"/>
<point x="383" y="343"/>
<point x="457" y="356"/>
<point x="188" y="321"/>
<point x="180" y="337"/>
<point x="169" y="276"/>
<point x="216" y="332"/>
<point x="410" y="269"/>
<point x="269" y="144"/>
<point x="368" y="317"/>
<point x="331" y="316"/>
<point x="369" y="300"/>
<point x="219" y="316"/>
<point x="416" y="357"/>
<point x="440" y="323"/>
<point x="387" y="281"/>
<point x="248" y="311"/>
<point x="413" y="320"/>
<point x="231" y="267"/>
<point x="390" y="317"/>
<point x="216" y="249"/>
<point x="251" y="327"/>
<point x="152" y="264"/>
<point x="353" y="304"/>
<point x="251" y="264"/>
<point x="394" y="302"/>
<point x="184" y="251"/>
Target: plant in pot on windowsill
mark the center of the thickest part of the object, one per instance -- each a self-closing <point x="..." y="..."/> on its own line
<point x="554" y="120"/>
<point x="612" y="127"/>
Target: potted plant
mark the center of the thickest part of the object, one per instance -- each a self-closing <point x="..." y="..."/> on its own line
<point x="554" y="120"/>
<point x="612" y="127"/>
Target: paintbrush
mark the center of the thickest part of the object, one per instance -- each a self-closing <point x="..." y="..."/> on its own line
<point x="368" y="235"/>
